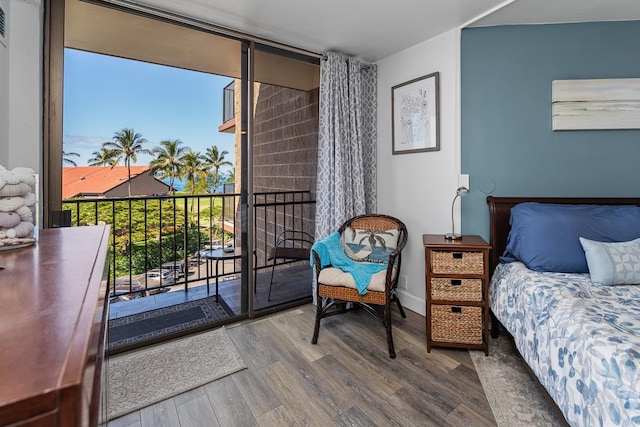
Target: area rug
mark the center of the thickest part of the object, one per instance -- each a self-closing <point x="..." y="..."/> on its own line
<point x="143" y="377"/>
<point x="156" y="323"/>
<point x="514" y="397"/>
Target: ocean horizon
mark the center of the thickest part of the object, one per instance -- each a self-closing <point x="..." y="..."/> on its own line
<point x="179" y="185"/>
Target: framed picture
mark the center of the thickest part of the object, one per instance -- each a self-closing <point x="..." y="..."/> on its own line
<point x="414" y="115"/>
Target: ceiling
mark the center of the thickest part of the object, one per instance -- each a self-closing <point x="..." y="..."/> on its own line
<point x="376" y="29"/>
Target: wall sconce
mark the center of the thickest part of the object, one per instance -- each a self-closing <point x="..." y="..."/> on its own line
<point x="460" y="192"/>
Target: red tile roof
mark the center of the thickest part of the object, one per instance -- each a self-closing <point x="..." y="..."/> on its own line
<point x="95" y="180"/>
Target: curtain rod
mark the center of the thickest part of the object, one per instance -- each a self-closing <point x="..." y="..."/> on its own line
<point x="171" y="17"/>
<point x="362" y="64"/>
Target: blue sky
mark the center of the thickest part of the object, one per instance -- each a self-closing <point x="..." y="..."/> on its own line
<point x="104" y="94"/>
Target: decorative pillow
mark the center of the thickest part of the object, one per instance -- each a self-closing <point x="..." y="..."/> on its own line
<point x="545" y="236"/>
<point x="368" y="246"/>
<point x="615" y="263"/>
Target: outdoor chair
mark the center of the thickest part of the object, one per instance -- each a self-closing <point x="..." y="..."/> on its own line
<point x="290" y="245"/>
<point x="360" y="264"/>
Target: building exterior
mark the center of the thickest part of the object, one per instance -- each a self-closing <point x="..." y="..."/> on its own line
<point x="284" y="157"/>
<point x="109" y="182"/>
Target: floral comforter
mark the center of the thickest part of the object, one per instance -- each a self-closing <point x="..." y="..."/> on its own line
<point x="581" y="341"/>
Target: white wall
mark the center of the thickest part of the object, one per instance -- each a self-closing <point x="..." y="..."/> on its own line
<point x="418" y="188"/>
<point x="21" y="87"/>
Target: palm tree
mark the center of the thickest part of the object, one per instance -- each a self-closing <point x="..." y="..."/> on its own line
<point x="215" y="159"/>
<point x="127" y="144"/>
<point x="194" y="168"/>
<point x="66" y="158"/>
<point x="231" y="178"/>
<point x="168" y="160"/>
<point x="104" y="157"/>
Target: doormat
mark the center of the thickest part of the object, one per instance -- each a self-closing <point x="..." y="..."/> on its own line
<point x="143" y="377"/>
<point x="129" y="330"/>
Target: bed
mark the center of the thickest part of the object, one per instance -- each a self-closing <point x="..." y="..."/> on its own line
<point x="580" y="338"/>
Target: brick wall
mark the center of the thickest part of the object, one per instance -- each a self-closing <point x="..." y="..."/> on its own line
<point x="286" y="139"/>
<point x="284" y="158"/>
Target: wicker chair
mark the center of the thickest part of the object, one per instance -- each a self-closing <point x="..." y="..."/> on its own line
<point x="335" y="287"/>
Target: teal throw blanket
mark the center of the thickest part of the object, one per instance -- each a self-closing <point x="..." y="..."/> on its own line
<point x="331" y="253"/>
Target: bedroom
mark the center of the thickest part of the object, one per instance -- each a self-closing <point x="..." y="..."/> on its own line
<point x="584" y="163"/>
<point x="580" y="163"/>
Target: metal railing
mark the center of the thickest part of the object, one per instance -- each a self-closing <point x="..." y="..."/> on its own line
<point x="276" y="212"/>
<point x="157" y="242"/>
<point x="228" y="102"/>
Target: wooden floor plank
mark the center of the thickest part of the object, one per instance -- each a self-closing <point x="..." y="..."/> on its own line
<point x="189" y="395"/>
<point x="298" y="333"/>
<point x="345" y="379"/>
<point x="197" y="412"/>
<point x="376" y="375"/>
<point x="354" y="417"/>
<point x="161" y="414"/>
<point x="383" y="414"/>
<point x="228" y="403"/>
<point x="129" y="420"/>
<point x="464" y="416"/>
<point x="295" y="395"/>
<point x="248" y="340"/>
<point x="465" y="380"/>
<point x="277" y="417"/>
<point x="371" y="399"/>
<point x="344" y="382"/>
<point x="419" y="406"/>
<point x="258" y="395"/>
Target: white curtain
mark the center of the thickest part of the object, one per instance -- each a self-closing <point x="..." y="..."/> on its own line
<point x="347" y="142"/>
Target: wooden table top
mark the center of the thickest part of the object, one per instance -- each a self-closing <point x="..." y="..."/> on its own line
<point x="465" y="240"/>
<point x="49" y="296"/>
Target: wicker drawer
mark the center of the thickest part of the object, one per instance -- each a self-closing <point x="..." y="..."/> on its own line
<point x="457" y="262"/>
<point x="443" y="288"/>
<point x="456" y="324"/>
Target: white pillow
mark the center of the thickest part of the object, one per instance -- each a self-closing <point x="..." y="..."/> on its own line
<point x="615" y="263"/>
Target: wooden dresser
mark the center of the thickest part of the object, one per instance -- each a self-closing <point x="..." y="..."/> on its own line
<point x="53" y="308"/>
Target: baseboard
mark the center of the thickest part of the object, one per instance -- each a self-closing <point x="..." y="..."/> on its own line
<point x="412" y="303"/>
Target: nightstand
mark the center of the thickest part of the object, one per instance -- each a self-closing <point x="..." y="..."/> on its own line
<point x="457" y="290"/>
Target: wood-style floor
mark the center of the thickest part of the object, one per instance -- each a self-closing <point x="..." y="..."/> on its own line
<point x="347" y="379"/>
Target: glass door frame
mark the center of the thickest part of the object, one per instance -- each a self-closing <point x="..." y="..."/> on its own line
<point x="54" y="44"/>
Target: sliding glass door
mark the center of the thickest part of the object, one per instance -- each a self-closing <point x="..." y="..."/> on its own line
<point x="284" y="153"/>
<point x="227" y="228"/>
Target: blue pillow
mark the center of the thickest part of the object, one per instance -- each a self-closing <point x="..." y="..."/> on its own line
<point x="545" y="236"/>
<point x="613" y="264"/>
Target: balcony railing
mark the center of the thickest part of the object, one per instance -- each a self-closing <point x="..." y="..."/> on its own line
<point x="228" y="102"/>
<point x="157" y="241"/>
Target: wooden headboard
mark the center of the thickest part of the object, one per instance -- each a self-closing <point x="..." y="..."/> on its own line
<point x="500" y="213"/>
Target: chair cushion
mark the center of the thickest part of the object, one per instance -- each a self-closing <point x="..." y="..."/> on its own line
<point x="335" y="277"/>
<point x="369" y="246"/>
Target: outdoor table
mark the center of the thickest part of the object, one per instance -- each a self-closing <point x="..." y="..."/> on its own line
<point x="218" y="255"/>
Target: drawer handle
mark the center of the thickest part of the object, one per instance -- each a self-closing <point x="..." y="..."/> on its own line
<point x="456" y="309"/>
<point x="456" y="282"/>
<point x="457" y="255"/>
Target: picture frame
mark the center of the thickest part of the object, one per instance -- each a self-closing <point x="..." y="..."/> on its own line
<point x="415" y="115"/>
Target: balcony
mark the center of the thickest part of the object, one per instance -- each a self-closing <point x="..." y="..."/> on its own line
<point x="228" y="109"/>
<point x="159" y="248"/>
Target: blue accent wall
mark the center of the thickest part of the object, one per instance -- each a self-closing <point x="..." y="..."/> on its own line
<point x="507" y="145"/>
